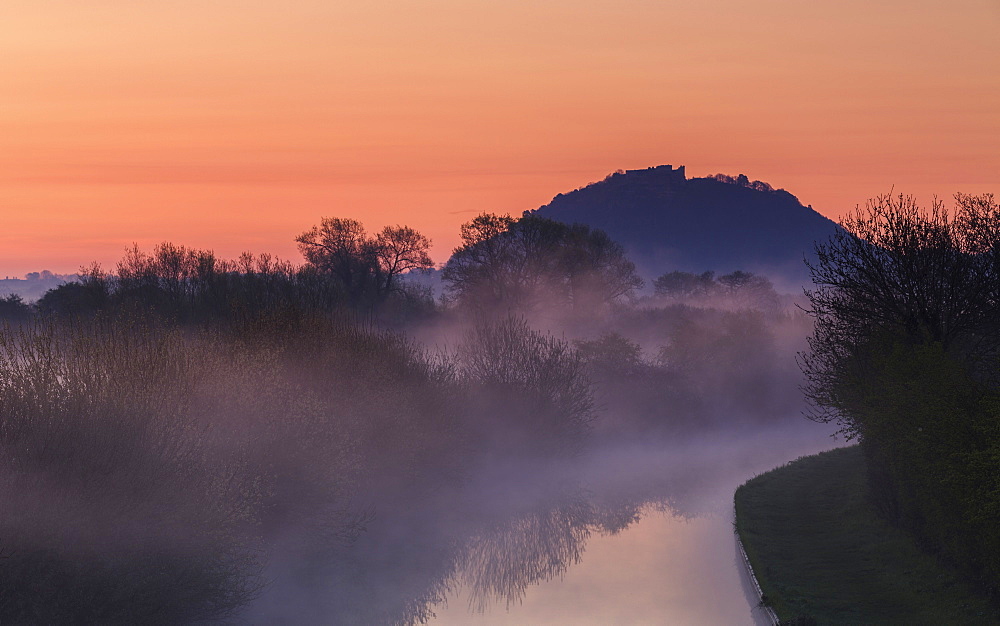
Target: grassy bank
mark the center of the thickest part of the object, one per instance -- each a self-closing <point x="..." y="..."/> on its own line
<point x="819" y="550"/>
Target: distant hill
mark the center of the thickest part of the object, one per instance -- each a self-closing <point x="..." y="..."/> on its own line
<point x="34" y="285"/>
<point x="669" y="222"/>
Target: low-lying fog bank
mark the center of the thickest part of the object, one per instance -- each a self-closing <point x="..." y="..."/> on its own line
<point x="311" y="470"/>
<point x="192" y="440"/>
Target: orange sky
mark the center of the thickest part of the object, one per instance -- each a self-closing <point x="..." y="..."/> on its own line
<point x="236" y="125"/>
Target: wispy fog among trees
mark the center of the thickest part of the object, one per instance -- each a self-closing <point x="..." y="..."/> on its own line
<point x="191" y="438"/>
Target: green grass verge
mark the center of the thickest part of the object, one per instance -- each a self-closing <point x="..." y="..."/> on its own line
<point x="819" y="550"/>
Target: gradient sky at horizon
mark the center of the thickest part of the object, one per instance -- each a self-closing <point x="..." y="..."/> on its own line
<point x="237" y="125"/>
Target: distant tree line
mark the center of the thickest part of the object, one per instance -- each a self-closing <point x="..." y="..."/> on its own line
<point x="738" y="289"/>
<point x="702" y="346"/>
<point x="904" y="356"/>
<point x="504" y="265"/>
<point x="345" y="270"/>
<point x="34" y="284"/>
<point x="742" y="181"/>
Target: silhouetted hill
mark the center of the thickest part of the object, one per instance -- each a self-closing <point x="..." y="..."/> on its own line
<point x="668" y="222"/>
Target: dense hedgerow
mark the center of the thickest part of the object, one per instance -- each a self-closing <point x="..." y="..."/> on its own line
<point x="904" y="357"/>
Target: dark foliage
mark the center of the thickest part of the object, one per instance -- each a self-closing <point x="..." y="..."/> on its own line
<point x="14" y="309"/>
<point x="194" y="286"/>
<point x="116" y="510"/>
<point x="522" y="265"/>
<point x="899" y="274"/>
<point x="685" y="284"/>
<point x="366" y="269"/>
<point x="736" y="290"/>
<point x="742" y="181"/>
<point x="904" y="357"/>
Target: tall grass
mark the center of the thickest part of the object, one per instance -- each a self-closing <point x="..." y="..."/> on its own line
<point x="116" y="508"/>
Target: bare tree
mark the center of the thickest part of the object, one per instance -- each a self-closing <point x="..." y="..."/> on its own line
<point x="401" y="249"/>
<point x="900" y="273"/>
<point x="365" y="266"/>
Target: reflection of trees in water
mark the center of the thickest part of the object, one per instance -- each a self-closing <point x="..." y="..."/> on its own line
<point x="506" y="555"/>
<point x="409" y="559"/>
<point x="502" y="533"/>
<point x="540" y="533"/>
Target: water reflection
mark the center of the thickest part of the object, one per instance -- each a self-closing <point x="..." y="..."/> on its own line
<point x="619" y="536"/>
<point x="664" y="570"/>
<point x="504" y="558"/>
<point x="618" y="553"/>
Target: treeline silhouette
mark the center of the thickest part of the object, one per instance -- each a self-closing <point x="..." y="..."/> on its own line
<point x="188" y="438"/>
<point x="736" y="290"/>
<point x="194" y="286"/>
<point x="702" y="349"/>
<point x="13" y="307"/>
<point x="904" y="357"/>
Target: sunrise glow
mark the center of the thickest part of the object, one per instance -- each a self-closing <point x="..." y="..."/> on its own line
<point x="235" y="126"/>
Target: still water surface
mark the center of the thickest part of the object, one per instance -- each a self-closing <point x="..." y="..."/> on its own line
<point x="678" y="564"/>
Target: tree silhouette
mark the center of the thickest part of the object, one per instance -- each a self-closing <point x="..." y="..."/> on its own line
<point x="507" y="263"/>
<point x="904" y="357"/>
<point x="365" y="267"/>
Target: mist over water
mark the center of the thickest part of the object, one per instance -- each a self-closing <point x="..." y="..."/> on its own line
<point x="675" y="562"/>
<point x="509" y="542"/>
<point x="629" y="534"/>
<point x="287" y="464"/>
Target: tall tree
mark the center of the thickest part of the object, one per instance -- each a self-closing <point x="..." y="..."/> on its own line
<point x="904" y="357"/>
<point x="898" y="271"/>
<point x="364" y="266"/>
<point x="401" y="249"/>
<point x="507" y="263"/>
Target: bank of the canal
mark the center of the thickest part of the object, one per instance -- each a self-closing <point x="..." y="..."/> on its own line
<point x="821" y="553"/>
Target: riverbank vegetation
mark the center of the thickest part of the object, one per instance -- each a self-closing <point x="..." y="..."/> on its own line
<point x="822" y="551"/>
<point x="905" y="357"/>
